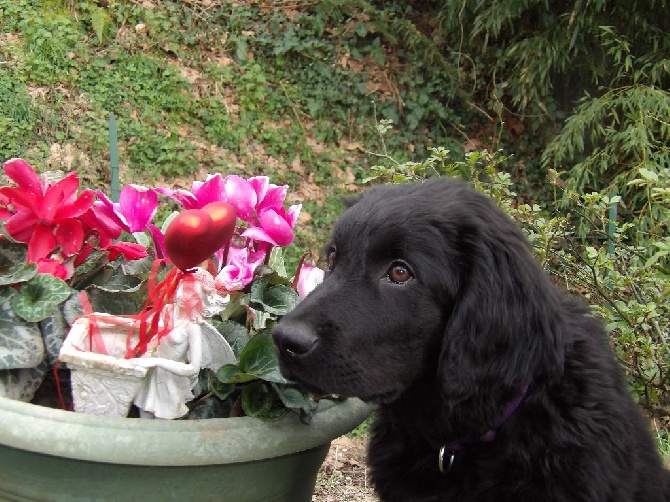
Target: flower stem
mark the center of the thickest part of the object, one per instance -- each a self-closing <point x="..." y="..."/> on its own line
<point x="296" y="278"/>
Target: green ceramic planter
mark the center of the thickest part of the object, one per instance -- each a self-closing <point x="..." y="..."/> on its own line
<point x="54" y="455"/>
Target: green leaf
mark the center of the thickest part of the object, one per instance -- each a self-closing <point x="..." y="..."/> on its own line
<point x="96" y="259"/>
<point x="221" y="389"/>
<point x="277" y="262"/>
<point x="72" y="308"/>
<point x="260" y="359"/>
<point x="258" y="289"/>
<point x="119" y="281"/>
<point x="293" y="398"/>
<point x="117" y="301"/>
<point x="648" y="174"/>
<point x="241" y="51"/>
<point x="231" y="373"/>
<point x="275" y="299"/>
<point x="138" y="267"/>
<point x="235" y="334"/>
<point x="256" y="400"/>
<point x="37" y="298"/>
<point x="361" y="29"/>
<point x="13" y="268"/>
<point x="99" y="20"/>
<point x="210" y="408"/>
<point x="21" y="343"/>
<point x="235" y="307"/>
<point x="259" y="318"/>
<point x="21" y="384"/>
<point x="54" y="330"/>
<point x="280" y="300"/>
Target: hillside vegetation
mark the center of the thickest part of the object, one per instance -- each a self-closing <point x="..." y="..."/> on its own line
<point x="561" y="110"/>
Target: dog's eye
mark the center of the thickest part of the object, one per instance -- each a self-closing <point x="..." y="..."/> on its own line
<point x="332" y="258"/>
<point x="400" y="273"/>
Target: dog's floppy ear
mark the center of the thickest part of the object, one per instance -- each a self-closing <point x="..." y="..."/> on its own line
<point x="350" y="200"/>
<point x="504" y="330"/>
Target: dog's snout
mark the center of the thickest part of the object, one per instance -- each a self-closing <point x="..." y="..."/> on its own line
<point x="294" y="339"/>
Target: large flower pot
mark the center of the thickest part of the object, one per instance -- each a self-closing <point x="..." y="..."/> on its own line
<point x="54" y="455"/>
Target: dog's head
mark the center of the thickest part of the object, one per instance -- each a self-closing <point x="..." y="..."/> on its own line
<point x="424" y="281"/>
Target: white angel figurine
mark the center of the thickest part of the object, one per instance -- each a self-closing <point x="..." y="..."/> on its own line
<point x="190" y="345"/>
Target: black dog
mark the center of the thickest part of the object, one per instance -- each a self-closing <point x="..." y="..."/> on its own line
<point x="492" y="383"/>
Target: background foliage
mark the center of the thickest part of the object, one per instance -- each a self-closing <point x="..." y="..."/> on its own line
<point x="575" y="94"/>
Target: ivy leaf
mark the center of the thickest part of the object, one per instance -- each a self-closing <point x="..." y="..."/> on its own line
<point x="20" y="341"/>
<point x="260" y="359"/>
<point x="36" y="299"/>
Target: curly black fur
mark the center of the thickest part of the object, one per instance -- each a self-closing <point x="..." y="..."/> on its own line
<point x="435" y="309"/>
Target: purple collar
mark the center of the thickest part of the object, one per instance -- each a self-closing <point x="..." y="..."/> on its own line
<point x="457" y="445"/>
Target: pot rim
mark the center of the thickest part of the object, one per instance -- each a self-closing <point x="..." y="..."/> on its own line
<point x="137" y="441"/>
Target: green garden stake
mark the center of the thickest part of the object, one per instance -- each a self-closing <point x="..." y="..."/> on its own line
<point x="611" y="230"/>
<point x="611" y="227"/>
<point x="114" y="158"/>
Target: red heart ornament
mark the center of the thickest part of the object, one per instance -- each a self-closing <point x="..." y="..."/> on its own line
<point x="224" y="216"/>
<point x="192" y="237"/>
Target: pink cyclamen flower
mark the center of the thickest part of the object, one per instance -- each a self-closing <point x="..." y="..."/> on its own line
<point x="239" y="269"/>
<point x="275" y="226"/>
<point x="136" y="207"/>
<point x="201" y="193"/>
<point x="310" y="277"/>
<point x="253" y="196"/>
<point x="242" y="195"/>
<point x="256" y="201"/>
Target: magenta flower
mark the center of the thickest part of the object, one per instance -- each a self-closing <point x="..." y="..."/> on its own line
<point x="239" y="270"/>
<point x="275" y="226"/>
<point x="256" y="201"/>
<point x="253" y="196"/>
<point x="201" y="194"/>
<point x="261" y="204"/>
<point x="136" y="207"/>
<point x="243" y="195"/>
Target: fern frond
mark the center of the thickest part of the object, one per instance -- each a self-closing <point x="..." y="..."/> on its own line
<point x="99" y="21"/>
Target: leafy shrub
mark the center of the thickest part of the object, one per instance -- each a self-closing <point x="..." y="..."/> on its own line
<point x="617" y="142"/>
<point x="541" y="56"/>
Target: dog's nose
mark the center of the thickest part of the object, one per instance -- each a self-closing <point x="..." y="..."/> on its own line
<point x="294" y="339"/>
